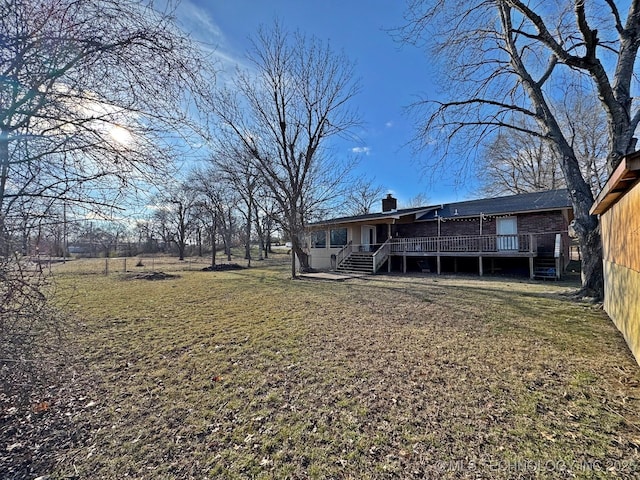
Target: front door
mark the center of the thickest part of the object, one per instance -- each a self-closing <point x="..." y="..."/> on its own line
<point x="507" y="230"/>
<point x="368" y="238"/>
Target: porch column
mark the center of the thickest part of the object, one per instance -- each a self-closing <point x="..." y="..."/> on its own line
<point x="404" y="264"/>
<point x="480" y="265"/>
<point x="531" y="272"/>
<point x="438" y="264"/>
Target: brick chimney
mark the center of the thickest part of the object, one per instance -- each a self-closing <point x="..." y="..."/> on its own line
<point x="389" y="204"/>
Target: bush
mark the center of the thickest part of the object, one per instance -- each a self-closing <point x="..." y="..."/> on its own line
<point x="30" y="331"/>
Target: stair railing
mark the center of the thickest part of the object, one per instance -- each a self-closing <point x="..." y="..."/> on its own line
<point x="344" y="253"/>
<point x="381" y="255"/>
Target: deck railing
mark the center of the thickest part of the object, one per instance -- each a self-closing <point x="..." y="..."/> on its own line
<point x="521" y="243"/>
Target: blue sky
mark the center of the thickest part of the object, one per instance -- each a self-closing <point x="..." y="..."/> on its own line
<point x="392" y="75"/>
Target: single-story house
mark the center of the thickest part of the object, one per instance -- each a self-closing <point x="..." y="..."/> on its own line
<point x="618" y="205"/>
<point x="524" y="234"/>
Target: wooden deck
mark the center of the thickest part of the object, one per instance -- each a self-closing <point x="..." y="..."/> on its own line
<point x="466" y="245"/>
<point x="370" y="258"/>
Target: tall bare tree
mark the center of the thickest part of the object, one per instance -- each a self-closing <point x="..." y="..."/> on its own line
<point x="282" y="113"/>
<point x="507" y="57"/>
<point x="241" y="173"/>
<point x="419" y="200"/>
<point x="219" y="200"/>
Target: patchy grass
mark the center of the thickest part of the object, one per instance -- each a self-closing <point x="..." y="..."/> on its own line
<point x="246" y="374"/>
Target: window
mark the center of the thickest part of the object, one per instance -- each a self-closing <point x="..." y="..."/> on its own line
<point x="319" y="239"/>
<point x="338" y="237"/>
<point x="507" y="230"/>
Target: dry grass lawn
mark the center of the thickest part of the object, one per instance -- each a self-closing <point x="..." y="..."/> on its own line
<point x="246" y="374"/>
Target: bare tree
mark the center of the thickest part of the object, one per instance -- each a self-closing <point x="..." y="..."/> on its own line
<point x="176" y="213"/>
<point x="506" y="57"/>
<point x="87" y="105"/>
<point x="515" y="162"/>
<point x="362" y="196"/>
<point x="419" y="200"/>
<point x="585" y="124"/>
<point x="241" y="173"/>
<point x="219" y="201"/>
<point x="282" y="113"/>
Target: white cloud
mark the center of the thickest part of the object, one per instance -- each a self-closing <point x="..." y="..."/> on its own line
<point x="204" y="29"/>
<point x="364" y="150"/>
<point x="199" y="23"/>
<point x="389" y="124"/>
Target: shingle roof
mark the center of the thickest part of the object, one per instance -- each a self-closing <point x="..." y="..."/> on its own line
<point x="373" y="216"/>
<point x="525" y="202"/>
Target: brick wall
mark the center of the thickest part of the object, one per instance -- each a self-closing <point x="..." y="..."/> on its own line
<point x="527" y="223"/>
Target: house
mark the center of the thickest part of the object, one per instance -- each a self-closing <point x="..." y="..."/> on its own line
<point x="519" y="234"/>
<point x="618" y="205"/>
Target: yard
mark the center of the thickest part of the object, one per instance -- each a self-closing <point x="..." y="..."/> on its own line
<point x="246" y="374"/>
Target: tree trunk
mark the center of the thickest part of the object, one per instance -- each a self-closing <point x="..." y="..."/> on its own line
<point x="302" y="256"/>
<point x="4" y="174"/>
<point x="213" y="241"/>
<point x="586" y="226"/>
<point x="303" y="259"/>
<point x="592" y="268"/>
<point x="181" y="248"/>
<point x="259" y="232"/>
<point x="228" y="239"/>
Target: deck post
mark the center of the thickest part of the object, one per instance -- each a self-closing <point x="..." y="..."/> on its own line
<point x="404" y="264"/>
<point x="531" y="272"/>
<point x="438" y="249"/>
<point x="480" y="265"/>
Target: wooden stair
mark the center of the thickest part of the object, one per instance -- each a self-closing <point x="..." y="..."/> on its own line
<point x="357" y="262"/>
<point x="545" y="268"/>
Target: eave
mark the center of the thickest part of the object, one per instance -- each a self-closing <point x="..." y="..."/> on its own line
<point x="621" y="180"/>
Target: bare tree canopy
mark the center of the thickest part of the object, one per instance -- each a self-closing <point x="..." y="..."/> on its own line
<point x="363" y="197"/>
<point x="282" y="113"/>
<point x="511" y="59"/>
<point x="92" y="95"/>
<point x="514" y="161"/>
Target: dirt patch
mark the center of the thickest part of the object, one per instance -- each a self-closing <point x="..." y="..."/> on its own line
<point x="151" y="276"/>
<point x="222" y="267"/>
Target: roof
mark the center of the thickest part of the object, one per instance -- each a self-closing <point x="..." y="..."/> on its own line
<point x="394" y="214"/>
<point x="525" y="202"/>
<point x="621" y="180"/>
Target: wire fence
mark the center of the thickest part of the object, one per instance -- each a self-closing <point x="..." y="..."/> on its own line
<point x="148" y="263"/>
